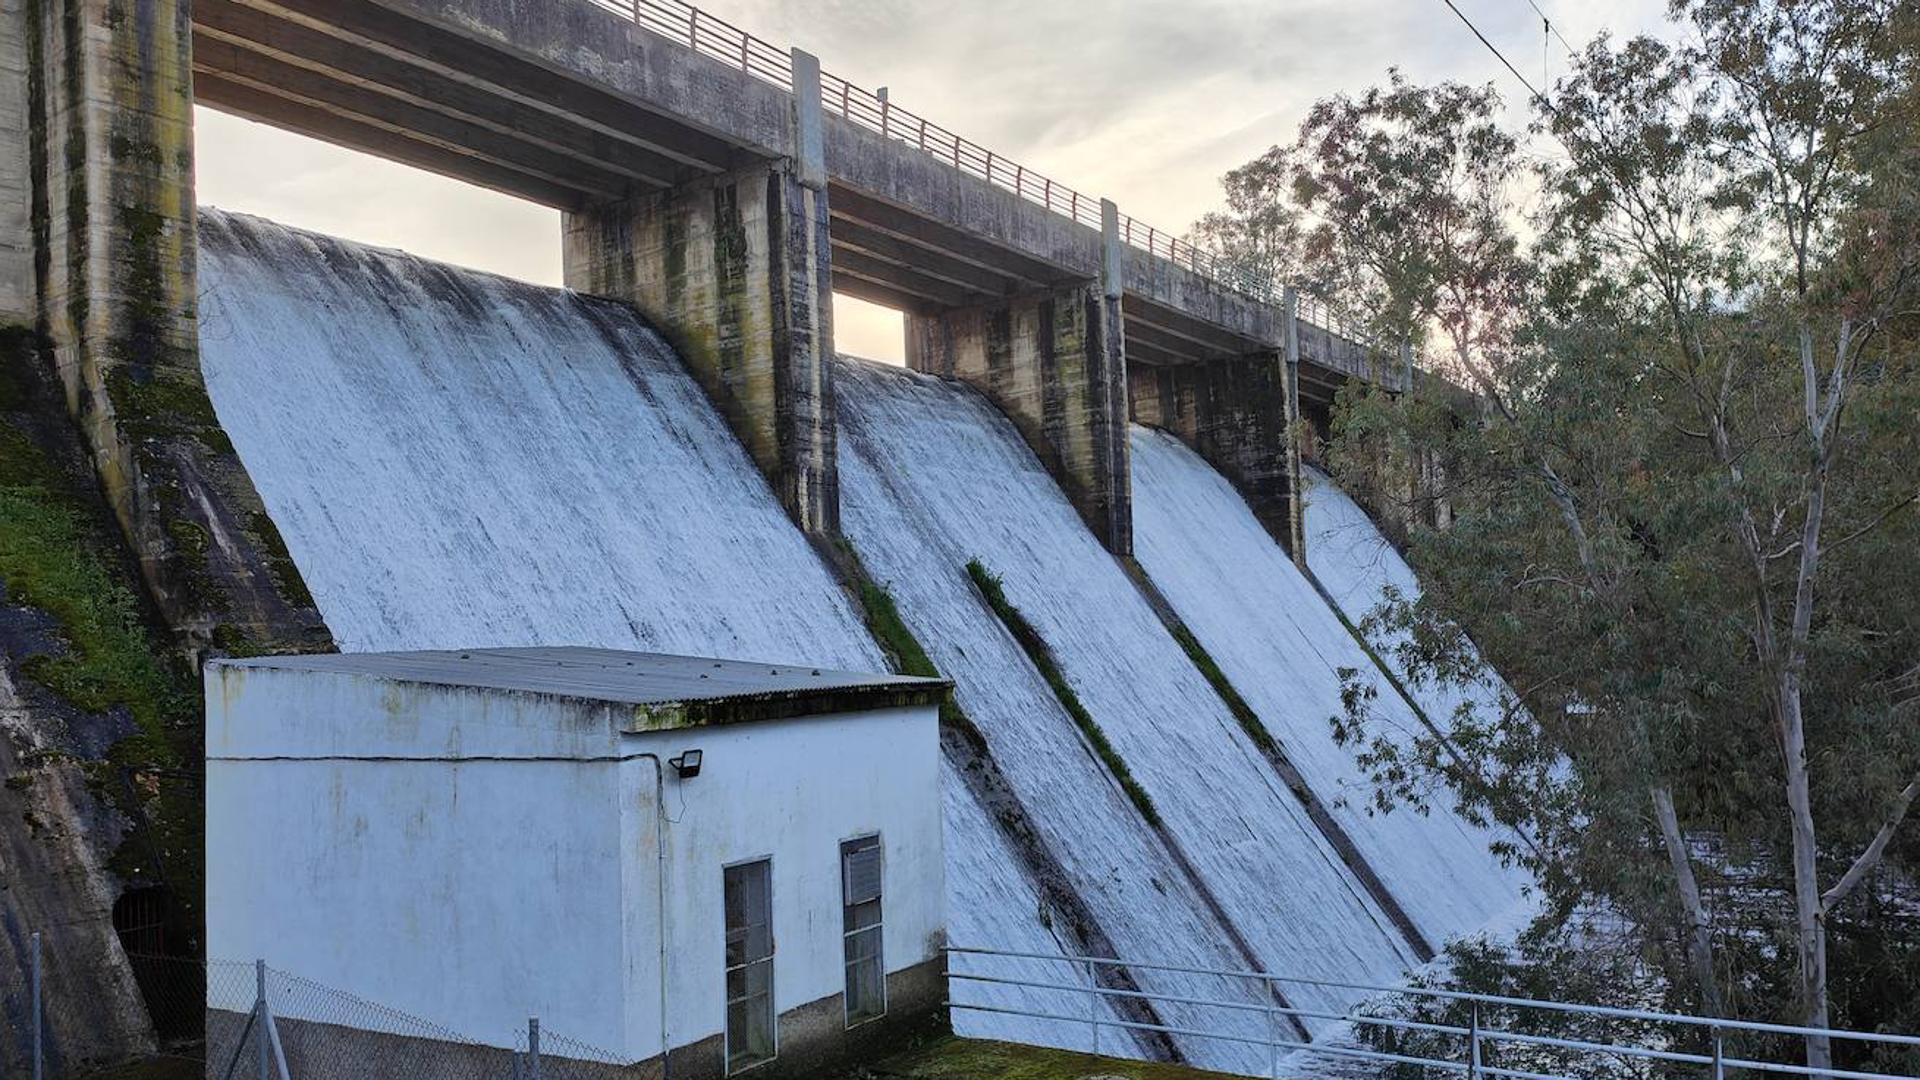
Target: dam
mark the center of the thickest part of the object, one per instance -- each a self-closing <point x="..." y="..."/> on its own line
<point x="1076" y="503"/>
<point x="510" y="464"/>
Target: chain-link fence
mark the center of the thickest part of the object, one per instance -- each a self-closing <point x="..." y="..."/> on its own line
<point x="240" y="1020"/>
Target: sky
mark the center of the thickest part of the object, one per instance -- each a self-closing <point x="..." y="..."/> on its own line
<point x="1146" y="102"/>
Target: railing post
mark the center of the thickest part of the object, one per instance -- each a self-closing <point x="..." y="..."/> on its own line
<point x="533" y="1048"/>
<point x="693" y="29"/>
<point x="886" y="112"/>
<point x="1093" y="1005"/>
<point x="263" y="1051"/>
<point x="1273" y="1030"/>
<point x="38" y="1021"/>
<point x="923" y="134"/>
<point x="1719" y="1055"/>
<point x="1473" y="1044"/>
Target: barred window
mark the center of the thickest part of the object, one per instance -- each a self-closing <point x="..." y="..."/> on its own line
<point x="860" y="872"/>
<point x="751" y="1036"/>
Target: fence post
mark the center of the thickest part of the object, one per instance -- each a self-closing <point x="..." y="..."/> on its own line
<point x="39" y="1032"/>
<point x="1719" y="1055"/>
<point x="533" y="1048"/>
<point x="1093" y="1005"/>
<point x="263" y="1052"/>
<point x="1473" y="1044"/>
<point x="886" y="113"/>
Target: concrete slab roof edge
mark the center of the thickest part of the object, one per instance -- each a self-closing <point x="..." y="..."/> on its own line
<point x="662" y="692"/>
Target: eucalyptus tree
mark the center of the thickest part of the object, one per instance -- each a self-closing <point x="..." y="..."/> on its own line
<point x="1683" y="492"/>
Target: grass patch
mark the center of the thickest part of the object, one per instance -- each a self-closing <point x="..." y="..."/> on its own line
<point x="1041" y="654"/>
<point x="904" y="652"/>
<point x="60" y="554"/>
<point x="1237" y="705"/>
<point x="968" y="1059"/>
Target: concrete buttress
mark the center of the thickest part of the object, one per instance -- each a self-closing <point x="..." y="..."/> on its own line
<point x="1055" y="362"/>
<point x="109" y="91"/>
<point x="736" y="271"/>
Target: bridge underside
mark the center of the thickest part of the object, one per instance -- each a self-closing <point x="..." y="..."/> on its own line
<point x="393" y="80"/>
<point x="575" y="107"/>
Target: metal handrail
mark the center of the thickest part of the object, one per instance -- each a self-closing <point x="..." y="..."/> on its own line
<point x="1477" y="1036"/>
<point x="714" y="37"/>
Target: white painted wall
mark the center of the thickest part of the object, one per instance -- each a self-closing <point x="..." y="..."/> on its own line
<point x="475" y="858"/>
<point x="793" y="790"/>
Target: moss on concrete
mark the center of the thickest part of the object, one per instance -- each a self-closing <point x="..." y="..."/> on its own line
<point x="979" y="1059"/>
<point x="1041" y="654"/>
<point x="905" y="654"/>
<point x="60" y="554"/>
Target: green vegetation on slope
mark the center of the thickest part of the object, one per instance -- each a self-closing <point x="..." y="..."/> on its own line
<point x="1041" y="654"/>
<point x="59" y="554"/>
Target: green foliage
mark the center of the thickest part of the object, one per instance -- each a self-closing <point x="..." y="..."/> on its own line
<point x="1677" y="513"/>
<point x="1041" y="654"/>
<point x="59" y="554"/>
<point x="1237" y="705"/>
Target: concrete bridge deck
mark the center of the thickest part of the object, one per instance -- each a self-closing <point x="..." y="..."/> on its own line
<point x="573" y="102"/>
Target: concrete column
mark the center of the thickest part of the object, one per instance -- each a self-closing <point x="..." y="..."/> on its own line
<point x="1233" y="412"/>
<point x="18" y="296"/>
<point x="736" y="272"/>
<point x="109" y="91"/>
<point x="1055" y="363"/>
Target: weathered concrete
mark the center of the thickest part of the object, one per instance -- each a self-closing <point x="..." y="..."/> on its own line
<point x="111" y="89"/>
<point x="559" y="102"/>
<point x="1232" y="412"/>
<point x="17" y="294"/>
<point x="1055" y="363"/>
<point x="735" y="272"/>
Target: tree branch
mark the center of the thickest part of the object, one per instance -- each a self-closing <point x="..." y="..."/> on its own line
<point x="1870" y="858"/>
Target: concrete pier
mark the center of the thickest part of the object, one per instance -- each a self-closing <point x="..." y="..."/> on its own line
<point x="736" y="271"/>
<point x="1055" y="363"/>
<point x="108" y="92"/>
<point x="1233" y="412"/>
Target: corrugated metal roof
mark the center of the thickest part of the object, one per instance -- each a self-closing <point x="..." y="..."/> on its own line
<point x="666" y="691"/>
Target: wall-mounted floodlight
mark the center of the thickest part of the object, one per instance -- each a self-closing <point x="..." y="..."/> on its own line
<point x="687" y="765"/>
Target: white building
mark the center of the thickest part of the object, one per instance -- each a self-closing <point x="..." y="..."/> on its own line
<point x="740" y="861"/>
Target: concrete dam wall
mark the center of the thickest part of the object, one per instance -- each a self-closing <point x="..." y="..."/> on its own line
<point x="455" y="459"/>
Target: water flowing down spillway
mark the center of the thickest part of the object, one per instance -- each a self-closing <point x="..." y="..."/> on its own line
<point x="456" y="459"/>
<point x="933" y="476"/>
<point x="1357" y="565"/>
<point x="1283" y="648"/>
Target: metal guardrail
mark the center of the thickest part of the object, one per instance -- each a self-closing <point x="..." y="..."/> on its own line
<point x="719" y="39"/>
<point x="1478" y="1041"/>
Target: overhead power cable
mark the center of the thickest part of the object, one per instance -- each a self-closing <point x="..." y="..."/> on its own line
<point x="1502" y="57"/>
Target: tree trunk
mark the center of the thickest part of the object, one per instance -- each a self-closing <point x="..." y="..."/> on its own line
<point x="1699" y="935"/>
<point x="1809" y="914"/>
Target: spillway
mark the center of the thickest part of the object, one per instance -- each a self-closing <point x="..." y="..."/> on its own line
<point x="933" y="476"/>
<point x="1356" y="564"/>
<point x="1283" y="649"/>
<point x="456" y="459"/>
